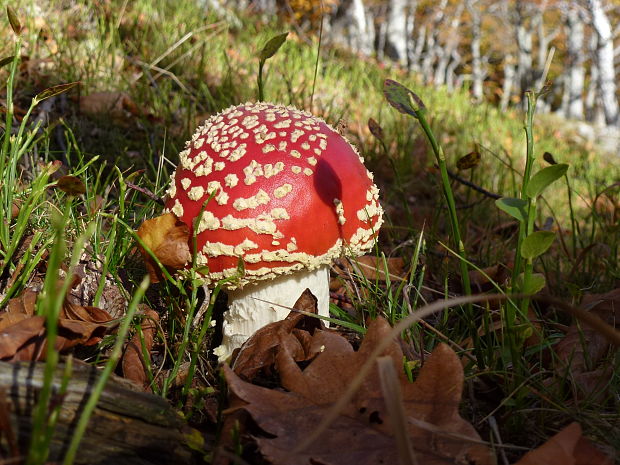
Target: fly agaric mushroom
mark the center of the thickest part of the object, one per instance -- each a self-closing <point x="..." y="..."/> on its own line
<point x="281" y="190"/>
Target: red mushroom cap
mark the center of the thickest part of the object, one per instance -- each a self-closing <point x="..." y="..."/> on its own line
<point x="279" y="187"/>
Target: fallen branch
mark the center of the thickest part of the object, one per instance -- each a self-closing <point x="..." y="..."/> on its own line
<point x="127" y="427"/>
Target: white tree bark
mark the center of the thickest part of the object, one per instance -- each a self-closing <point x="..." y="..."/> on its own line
<point x="415" y="59"/>
<point x="510" y="76"/>
<point x="413" y="4"/>
<point x="575" y="76"/>
<point x="396" y="44"/>
<point x="446" y="51"/>
<point x="591" y="102"/>
<point x="524" y="50"/>
<point x="605" y="61"/>
<point x="477" y="74"/>
<point x="432" y="46"/>
<point x="352" y="27"/>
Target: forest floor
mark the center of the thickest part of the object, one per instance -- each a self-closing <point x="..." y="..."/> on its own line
<point x="98" y="111"/>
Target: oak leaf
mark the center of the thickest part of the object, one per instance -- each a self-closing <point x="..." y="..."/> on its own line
<point x="568" y="447"/>
<point x="362" y="432"/>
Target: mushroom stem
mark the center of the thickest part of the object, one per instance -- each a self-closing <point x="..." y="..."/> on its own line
<point x="257" y="305"/>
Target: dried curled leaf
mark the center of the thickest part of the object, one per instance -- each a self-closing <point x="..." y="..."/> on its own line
<point x="23" y="334"/>
<point x="168" y="239"/>
<point x="303" y="336"/>
<point x="133" y="363"/>
<point x="431" y="404"/>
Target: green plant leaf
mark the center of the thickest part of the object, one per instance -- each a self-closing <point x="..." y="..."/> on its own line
<point x="52" y="91"/>
<point x="536" y="283"/>
<point x="6" y="60"/>
<point x="13" y="20"/>
<point x="514" y="207"/>
<point x="537" y="244"/>
<point x="544" y="178"/>
<point x="272" y="46"/>
<point x="401" y="98"/>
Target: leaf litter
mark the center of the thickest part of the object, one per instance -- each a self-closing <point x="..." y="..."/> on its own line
<point x="23" y="333"/>
<point x="363" y="433"/>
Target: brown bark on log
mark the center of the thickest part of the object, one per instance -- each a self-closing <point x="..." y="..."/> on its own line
<point x="126" y="428"/>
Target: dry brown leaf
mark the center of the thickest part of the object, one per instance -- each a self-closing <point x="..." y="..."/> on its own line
<point x="568" y="447"/>
<point x="363" y="426"/>
<point x="583" y="347"/>
<point x="168" y="239"/>
<point x="22" y="334"/>
<point x="24" y="303"/>
<point x="374" y="268"/>
<point x="10" y="318"/>
<point x="481" y="279"/>
<point x="116" y="105"/>
<point x="133" y="363"/>
<point x="302" y="335"/>
<point x="89" y="314"/>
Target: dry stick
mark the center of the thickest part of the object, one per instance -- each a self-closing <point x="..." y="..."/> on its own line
<point x="475" y="187"/>
<point x="145" y="191"/>
<point x="334" y="411"/>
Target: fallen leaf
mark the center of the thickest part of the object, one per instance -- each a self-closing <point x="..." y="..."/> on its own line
<point x="133" y="363"/>
<point x="168" y="239"/>
<point x="23" y="334"/>
<point x="10" y="318"/>
<point x="24" y="303"/>
<point x="302" y="335"/>
<point x="583" y="347"/>
<point x="88" y="314"/>
<point x="568" y="447"/>
<point x="374" y="268"/>
<point x="431" y="406"/>
<point x="116" y="105"/>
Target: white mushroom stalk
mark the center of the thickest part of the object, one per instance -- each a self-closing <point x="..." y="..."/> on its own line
<point x="257" y="305"/>
<point x="281" y="190"/>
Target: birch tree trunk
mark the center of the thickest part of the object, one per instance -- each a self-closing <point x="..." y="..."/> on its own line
<point x="413" y="4"/>
<point x="351" y="26"/>
<point x="432" y="47"/>
<point x="477" y="76"/>
<point x="591" y="102"/>
<point x="415" y="61"/>
<point x="575" y="77"/>
<point x="605" y="61"/>
<point x="452" y="80"/>
<point x="445" y="53"/>
<point x="396" y="44"/>
<point x="510" y="76"/>
<point x="524" y="51"/>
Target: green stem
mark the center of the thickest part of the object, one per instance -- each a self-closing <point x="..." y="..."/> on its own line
<point x="261" y="94"/>
<point x="456" y="232"/>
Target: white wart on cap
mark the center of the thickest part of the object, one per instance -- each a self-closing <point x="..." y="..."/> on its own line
<point x="282" y="190"/>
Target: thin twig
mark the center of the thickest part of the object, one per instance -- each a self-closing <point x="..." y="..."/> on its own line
<point x="145" y="191"/>
<point x="473" y="186"/>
